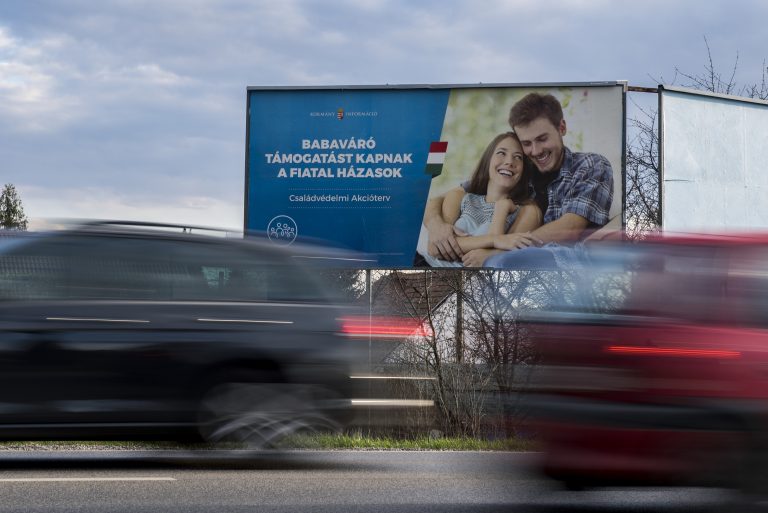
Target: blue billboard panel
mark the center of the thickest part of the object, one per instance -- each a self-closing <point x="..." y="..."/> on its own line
<point x="348" y="166"/>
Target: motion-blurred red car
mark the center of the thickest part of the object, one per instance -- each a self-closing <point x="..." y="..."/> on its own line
<point x="654" y="366"/>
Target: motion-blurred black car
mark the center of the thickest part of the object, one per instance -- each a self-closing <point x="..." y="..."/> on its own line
<point x="129" y="331"/>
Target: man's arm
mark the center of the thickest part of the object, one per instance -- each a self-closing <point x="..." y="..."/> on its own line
<point x="442" y="238"/>
<point x="586" y="204"/>
<point x="567" y="228"/>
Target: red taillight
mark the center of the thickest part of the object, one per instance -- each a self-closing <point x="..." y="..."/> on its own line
<point x="673" y="351"/>
<point x="384" y="327"/>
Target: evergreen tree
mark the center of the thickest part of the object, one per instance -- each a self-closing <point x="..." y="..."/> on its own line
<point x="11" y="212"/>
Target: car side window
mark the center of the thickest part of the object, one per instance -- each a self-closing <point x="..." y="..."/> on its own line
<point x="129" y="268"/>
<point x="126" y="267"/>
<point x="748" y="287"/>
<point x="232" y="273"/>
<point x="34" y="269"/>
<point x="94" y="267"/>
<point x="680" y="282"/>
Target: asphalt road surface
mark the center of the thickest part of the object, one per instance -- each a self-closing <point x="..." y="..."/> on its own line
<point x="311" y="481"/>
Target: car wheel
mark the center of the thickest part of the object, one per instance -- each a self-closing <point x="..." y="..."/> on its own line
<point x="752" y="478"/>
<point x="255" y="414"/>
<point x="574" y="485"/>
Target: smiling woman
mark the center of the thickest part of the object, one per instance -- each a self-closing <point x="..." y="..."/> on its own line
<point x="495" y="201"/>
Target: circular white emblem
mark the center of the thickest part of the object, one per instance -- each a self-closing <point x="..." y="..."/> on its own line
<point x="282" y="230"/>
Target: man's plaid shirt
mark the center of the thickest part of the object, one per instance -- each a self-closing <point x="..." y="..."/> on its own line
<point x="584" y="187"/>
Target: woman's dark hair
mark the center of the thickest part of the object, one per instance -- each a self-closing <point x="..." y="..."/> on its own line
<point x="478" y="183"/>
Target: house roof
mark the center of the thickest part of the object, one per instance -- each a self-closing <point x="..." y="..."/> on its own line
<point x="413" y="293"/>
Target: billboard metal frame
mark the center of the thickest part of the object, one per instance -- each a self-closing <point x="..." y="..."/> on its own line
<point x="692" y="92"/>
<point x="533" y="85"/>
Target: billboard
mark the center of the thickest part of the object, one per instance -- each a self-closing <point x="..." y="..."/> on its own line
<point x="713" y="150"/>
<point x="355" y="166"/>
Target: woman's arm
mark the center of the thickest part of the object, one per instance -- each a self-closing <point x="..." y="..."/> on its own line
<point x="452" y="205"/>
<point x="519" y="234"/>
<point x="442" y="239"/>
<point x="528" y="218"/>
<point x="439" y="216"/>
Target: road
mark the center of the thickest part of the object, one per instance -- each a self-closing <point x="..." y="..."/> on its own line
<point x="308" y="481"/>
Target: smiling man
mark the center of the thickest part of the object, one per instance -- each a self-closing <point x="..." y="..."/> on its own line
<point x="574" y="190"/>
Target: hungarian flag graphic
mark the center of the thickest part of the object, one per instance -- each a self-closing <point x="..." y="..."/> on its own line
<point x="436" y="158"/>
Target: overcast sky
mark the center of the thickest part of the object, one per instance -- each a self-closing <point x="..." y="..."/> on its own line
<point x="134" y="109"/>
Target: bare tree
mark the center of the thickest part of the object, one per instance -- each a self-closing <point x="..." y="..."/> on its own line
<point x="475" y="382"/>
<point x="643" y="213"/>
<point x="712" y="79"/>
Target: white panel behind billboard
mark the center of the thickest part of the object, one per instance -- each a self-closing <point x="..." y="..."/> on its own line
<point x="714" y="162"/>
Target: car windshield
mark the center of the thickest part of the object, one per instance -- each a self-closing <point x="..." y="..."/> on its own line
<point x="659" y="280"/>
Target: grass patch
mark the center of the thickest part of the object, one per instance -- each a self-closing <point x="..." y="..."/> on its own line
<point x="75" y="445"/>
<point x="306" y="442"/>
<point x="425" y="443"/>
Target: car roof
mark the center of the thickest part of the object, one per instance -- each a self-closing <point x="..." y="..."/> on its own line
<point x="307" y="251"/>
<point x="731" y="239"/>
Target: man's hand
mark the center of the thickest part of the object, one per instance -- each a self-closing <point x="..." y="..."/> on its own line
<point x="442" y="241"/>
<point x="516" y="241"/>
<point x="477" y="257"/>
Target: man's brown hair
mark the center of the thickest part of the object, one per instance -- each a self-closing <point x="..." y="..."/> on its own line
<point x="535" y="105"/>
